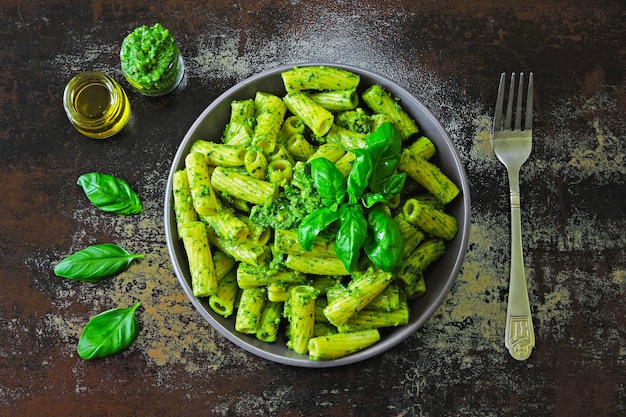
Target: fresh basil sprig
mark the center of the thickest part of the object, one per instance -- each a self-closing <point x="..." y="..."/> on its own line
<point x="94" y="263"/>
<point x="372" y="180"/>
<point x="109" y="333"/>
<point x="328" y="181"/>
<point x="384" y="244"/>
<point x="110" y="194"/>
<point x="384" y="146"/>
<point x="351" y="235"/>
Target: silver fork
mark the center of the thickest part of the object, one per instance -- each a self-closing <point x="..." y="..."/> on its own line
<point x="512" y="146"/>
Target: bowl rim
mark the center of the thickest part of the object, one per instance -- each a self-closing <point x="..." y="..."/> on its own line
<point x="400" y="333"/>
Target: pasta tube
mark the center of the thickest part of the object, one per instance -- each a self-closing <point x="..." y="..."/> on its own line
<point x="374" y="319"/>
<point x="246" y="251"/>
<point x="344" y="164"/>
<point x="330" y="151"/>
<point x="410" y="234"/>
<point x="238" y="134"/>
<point x="241" y="110"/>
<point x="425" y="254"/>
<point x="428" y="175"/>
<point x="423" y="147"/>
<point x="293" y="125"/>
<point x="431" y="200"/>
<point x="280" y="152"/>
<point x="346" y="138"/>
<point x="316" y="265"/>
<point x="320" y="305"/>
<point x="222" y="263"/>
<point x="316" y="117"/>
<point x="319" y="78"/>
<point x="241" y="186"/>
<point x="223" y="301"/>
<point x="202" y="194"/>
<point x="279" y="172"/>
<point x="270" y="322"/>
<point x="341" y="344"/>
<point x="323" y="282"/>
<point x="258" y="235"/>
<point x="271" y="112"/>
<point x="387" y="300"/>
<point x="431" y="220"/>
<point x="183" y="204"/>
<point x="417" y="287"/>
<point x="256" y="164"/>
<point x="363" y="288"/>
<point x="250" y="309"/>
<point x="299" y="147"/>
<point x="286" y="241"/>
<point x="378" y="119"/>
<point x="337" y="100"/>
<point x="380" y="101"/>
<point x="301" y="317"/>
<point x="278" y="292"/>
<point x="323" y="329"/>
<point x="227" y="225"/>
<point x="219" y="154"/>
<point x="201" y="268"/>
<point x="239" y="130"/>
<point x="249" y="276"/>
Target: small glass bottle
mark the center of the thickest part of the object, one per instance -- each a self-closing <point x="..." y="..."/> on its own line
<point x="96" y="104"/>
<point x="151" y="60"/>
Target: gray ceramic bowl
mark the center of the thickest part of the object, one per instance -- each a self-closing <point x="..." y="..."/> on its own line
<point x="440" y="276"/>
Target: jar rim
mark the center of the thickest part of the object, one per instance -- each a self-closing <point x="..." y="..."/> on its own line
<point x="69" y="94"/>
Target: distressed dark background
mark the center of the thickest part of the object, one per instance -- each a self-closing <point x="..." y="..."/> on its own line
<point x="449" y="54"/>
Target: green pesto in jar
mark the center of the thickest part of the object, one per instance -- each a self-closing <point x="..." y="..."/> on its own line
<point x="151" y="61"/>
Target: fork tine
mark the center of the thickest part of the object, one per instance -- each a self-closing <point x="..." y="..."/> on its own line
<point x="497" y="121"/>
<point x="509" y="106"/>
<point x="529" y="104"/>
<point x="520" y="94"/>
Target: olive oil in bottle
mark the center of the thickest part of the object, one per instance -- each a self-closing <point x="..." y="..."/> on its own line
<point x="96" y="105"/>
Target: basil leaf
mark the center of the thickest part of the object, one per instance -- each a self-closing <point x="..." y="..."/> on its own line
<point x="95" y="263"/>
<point x="384" y="145"/>
<point x="328" y="181"/>
<point x="370" y="199"/>
<point x="109" y="333"/>
<point x="393" y="186"/>
<point x="313" y="224"/>
<point x="384" y="245"/>
<point x="110" y="194"/>
<point x="351" y="235"/>
<point x="359" y="175"/>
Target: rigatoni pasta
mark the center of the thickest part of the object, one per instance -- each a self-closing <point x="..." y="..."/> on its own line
<point x="255" y="268"/>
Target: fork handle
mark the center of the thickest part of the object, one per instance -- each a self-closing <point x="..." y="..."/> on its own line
<point x="519" y="334"/>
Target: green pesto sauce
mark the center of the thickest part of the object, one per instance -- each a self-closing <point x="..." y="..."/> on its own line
<point x="148" y="55"/>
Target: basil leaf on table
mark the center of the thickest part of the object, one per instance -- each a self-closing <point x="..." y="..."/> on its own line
<point x="384" y="146"/>
<point x="351" y="235"/>
<point x="313" y="224"/>
<point x="94" y="263"/>
<point x="328" y="181"/>
<point x="109" y="333"/>
<point x="384" y="245"/>
<point x="110" y="194"/>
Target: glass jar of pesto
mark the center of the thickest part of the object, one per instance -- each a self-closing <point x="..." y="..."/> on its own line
<point x="151" y="61"/>
<point x="96" y="104"/>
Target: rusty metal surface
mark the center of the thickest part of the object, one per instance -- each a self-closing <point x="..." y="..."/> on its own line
<point x="449" y="54"/>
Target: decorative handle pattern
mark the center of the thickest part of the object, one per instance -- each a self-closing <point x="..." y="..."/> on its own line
<point x="519" y="335"/>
